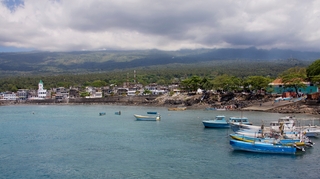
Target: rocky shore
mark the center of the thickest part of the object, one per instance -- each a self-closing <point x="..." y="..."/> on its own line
<point x="230" y="101"/>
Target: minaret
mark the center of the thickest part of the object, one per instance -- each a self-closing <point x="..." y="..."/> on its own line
<point x="40" y="85"/>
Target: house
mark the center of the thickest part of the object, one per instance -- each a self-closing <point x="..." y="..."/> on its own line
<point x="22" y="94"/>
<point x="74" y="93"/>
<point x="9" y="96"/>
<point x="61" y="93"/>
<point x="278" y="87"/>
<point x="156" y="89"/>
<point x="122" y="91"/>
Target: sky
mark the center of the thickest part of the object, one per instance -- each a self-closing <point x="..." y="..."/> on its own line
<point x="76" y="25"/>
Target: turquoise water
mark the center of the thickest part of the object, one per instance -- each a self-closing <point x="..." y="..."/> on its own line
<point x="73" y="141"/>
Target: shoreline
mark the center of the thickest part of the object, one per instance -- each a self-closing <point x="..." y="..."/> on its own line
<point x="183" y="101"/>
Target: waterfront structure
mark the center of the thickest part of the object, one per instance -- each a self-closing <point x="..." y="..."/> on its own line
<point x="22" y="94"/>
<point x="42" y="93"/>
<point x="278" y="87"/>
<point x="9" y="96"/>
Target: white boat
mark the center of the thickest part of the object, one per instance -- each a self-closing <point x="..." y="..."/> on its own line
<point x="147" y="118"/>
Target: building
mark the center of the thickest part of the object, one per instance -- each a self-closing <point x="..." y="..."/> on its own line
<point x="278" y="87"/>
<point x="22" y="94"/>
<point x="42" y="93"/>
<point x="11" y="96"/>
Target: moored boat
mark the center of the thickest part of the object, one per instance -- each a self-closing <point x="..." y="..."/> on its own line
<point x="177" y="109"/>
<point x="147" y="118"/>
<point x="261" y="147"/>
<point x="222" y="122"/>
<point x="244" y="138"/>
<point x="217" y="122"/>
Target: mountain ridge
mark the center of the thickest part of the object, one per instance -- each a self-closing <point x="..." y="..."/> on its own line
<point x="112" y="59"/>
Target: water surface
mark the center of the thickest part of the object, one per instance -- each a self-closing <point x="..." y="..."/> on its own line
<point x="73" y="141"/>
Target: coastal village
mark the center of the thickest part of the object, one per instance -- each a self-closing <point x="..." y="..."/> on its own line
<point x="282" y="100"/>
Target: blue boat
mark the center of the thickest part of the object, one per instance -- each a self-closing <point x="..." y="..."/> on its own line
<point x="267" y="140"/>
<point x="102" y="113"/>
<point x="118" y="113"/>
<point x="147" y="118"/>
<point x="152" y="112"/>
<point x="263" y="147"/>
<point x="221" y="122"/>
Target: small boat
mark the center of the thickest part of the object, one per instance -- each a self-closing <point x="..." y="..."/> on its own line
<point x="262" y="147"/>
<point x="177" y="109"/>
<point x="267" y="140"/>
<point x="221" y="122"/>
<point x="147" y="118"/>
<point x="216" y="109"/>
<point x="118" y="113"/>
<point x="102" y="113"/>
<point x="152" y="112"/>
<point x="217" y="122"/>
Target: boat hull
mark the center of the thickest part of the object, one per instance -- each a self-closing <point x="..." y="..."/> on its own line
<point x="262" y="147"/>
<point x="212" y="124"/>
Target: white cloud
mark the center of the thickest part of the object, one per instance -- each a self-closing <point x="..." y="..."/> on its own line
<point x="63" y="25"/>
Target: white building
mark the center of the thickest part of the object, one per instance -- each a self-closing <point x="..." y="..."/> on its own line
<point x="9" y="96"/>
<point x="42" y="93"/>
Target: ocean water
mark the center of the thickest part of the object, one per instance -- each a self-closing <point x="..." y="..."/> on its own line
<point x="73" y="141"/>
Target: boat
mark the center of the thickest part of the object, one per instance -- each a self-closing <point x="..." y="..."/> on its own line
<point x="216" y="109"/>
<point x="102" y="113"/>
<point x="147" y="118"/>
<point x="221" y="122"/>
<point x="262" y="147"/>
<point x="177" y="109"/>
<point x="152" y="112"/>
<point x="217" y="122"/>
<point x="118" y="113"/>
<point x="240" y="137"/>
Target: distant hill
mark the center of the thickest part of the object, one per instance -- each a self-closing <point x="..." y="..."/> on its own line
<point x="90" y="61"/>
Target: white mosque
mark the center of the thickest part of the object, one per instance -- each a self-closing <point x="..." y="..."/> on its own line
<point x="42" y="93"/>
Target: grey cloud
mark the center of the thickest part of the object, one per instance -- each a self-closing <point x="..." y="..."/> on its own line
<point x="168" y="25"/>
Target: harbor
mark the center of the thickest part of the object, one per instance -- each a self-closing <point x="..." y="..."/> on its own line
<point x="68" y="141"/>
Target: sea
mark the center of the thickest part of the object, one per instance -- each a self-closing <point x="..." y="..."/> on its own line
<point x="74" y="141"/>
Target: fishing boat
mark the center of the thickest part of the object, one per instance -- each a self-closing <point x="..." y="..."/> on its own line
<point x="244" y="138"/>
<point x="262" y="147"/>
<point x="118" y="113"/>
<point x="102" y="113"/>
<point x="222" y="122"/>
<point x="147" y="118"/>
<point x="177" y="109"/>
<point x="217" y="122"/>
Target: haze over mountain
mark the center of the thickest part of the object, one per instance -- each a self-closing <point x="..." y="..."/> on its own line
<point x="92" y="61"/>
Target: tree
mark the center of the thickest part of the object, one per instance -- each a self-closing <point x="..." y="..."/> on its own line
<point x="257" y="82"/>
<point x="226" y="82"/>
<point x="205" y="84"/>
<point x="313" y="71"/>
<point x="191" y="84"/>
<point x="99" y="83"/>
<point x="294" y="78"/>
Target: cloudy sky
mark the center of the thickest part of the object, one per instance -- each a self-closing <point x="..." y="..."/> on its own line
<point x="72" y="25"/>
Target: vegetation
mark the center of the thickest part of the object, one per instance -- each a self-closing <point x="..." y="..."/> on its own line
<point x="313" y="71"/>
<point x="224" y="69"/>
<point x="294" y="78"/>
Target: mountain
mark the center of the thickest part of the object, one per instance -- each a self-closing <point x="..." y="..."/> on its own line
<point x="90" y="61"/>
